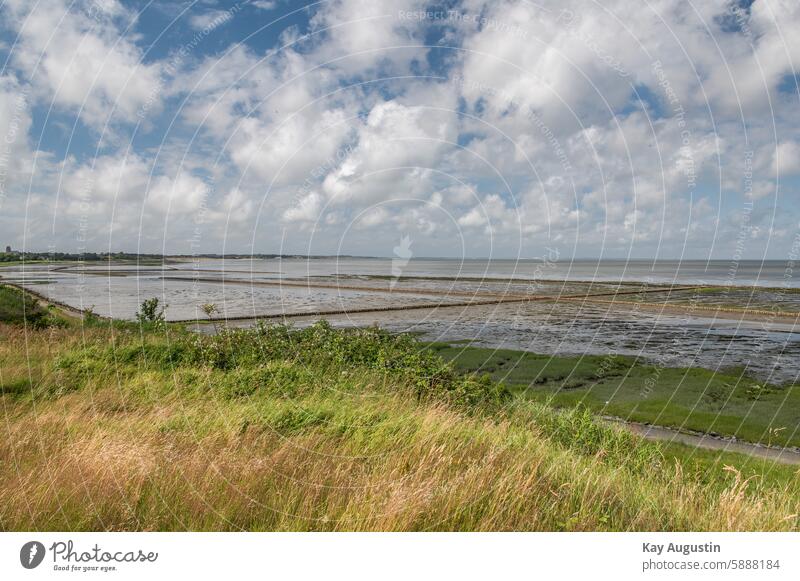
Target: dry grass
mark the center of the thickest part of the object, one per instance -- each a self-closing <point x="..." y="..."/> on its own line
<point x="155" y="449"/>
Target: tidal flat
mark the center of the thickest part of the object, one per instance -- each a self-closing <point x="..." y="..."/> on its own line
<point x="113" y="425"/>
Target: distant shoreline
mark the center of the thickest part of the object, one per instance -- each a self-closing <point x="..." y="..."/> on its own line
<point x="46" y="256"/>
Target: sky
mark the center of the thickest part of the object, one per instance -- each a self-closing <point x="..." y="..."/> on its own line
<point x="510" y="128"/>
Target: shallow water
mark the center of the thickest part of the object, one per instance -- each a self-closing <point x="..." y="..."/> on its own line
<point x="767" y="351"/>
<point x="717" y="272"/>
<point x="770" y="351"/>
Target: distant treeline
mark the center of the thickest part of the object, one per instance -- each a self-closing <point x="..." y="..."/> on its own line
<point x="68" y="256"/>
<point x="106" y="256"/>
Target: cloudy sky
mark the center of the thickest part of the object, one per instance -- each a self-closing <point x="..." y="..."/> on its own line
<point x="613" y="129"/>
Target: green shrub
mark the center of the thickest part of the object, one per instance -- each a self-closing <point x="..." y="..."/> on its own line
<point x="150" y="314"/>
<point x="279" y="359"/>
<point x="320" y="346"/>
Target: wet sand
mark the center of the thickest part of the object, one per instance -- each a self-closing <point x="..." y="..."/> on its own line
<point x="719" y="312"/>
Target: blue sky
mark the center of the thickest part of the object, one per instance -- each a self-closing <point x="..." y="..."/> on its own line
<point x="476" y="129"/>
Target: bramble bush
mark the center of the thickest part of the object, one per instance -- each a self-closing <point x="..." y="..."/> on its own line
<point x="321" y="349"/>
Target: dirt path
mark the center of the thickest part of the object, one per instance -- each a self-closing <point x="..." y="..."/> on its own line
<point x="709" y="442"/>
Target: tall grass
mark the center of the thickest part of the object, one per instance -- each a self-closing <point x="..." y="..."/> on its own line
<point x="21" y="308"/>
<point x="319" y="429"/>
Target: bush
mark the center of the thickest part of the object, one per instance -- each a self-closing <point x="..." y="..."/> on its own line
<point x="320" y="349"/>
<point x="150" y="314"/>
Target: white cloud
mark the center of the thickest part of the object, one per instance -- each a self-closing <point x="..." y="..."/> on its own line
<point x="80" y="57"/>
<point x="786" y="160"/>
<point x="238" y="207"/>
<point x="182" y="194"/>
<point x="535" y="136"/>
<point x="15" y="123"/>
<point x="307" y="209"/>
<point x="109" y="179"/>
<point x="265" y="4"/>
<point x="374" y="216"/>
<point x="210" y="19"/>
<point x="360" y="35"/>
<point x="473" y="218"/>
<point x="395" y="145"/>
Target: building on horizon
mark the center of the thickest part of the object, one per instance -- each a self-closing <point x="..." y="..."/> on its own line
<point x="8" y="250"/>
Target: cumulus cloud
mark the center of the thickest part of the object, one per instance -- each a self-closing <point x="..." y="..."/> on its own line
<point x="307" y="209"/>
<point x="181" y="194"/>
<point x="209" y="19"/>
<point x="83" y="56"/>
<point x="597" y="126"/>
<point x="361" y="35"/>
<point x="786" y="160"/>
<point x="265" y="4"/>
<point x="16" y="156"/>
<point x="396" y="145"/>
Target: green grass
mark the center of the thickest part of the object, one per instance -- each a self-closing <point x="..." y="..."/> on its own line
<point x="20" y="308"/>
<point x="121" y="427"/>
<point x="730" y="404"/>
